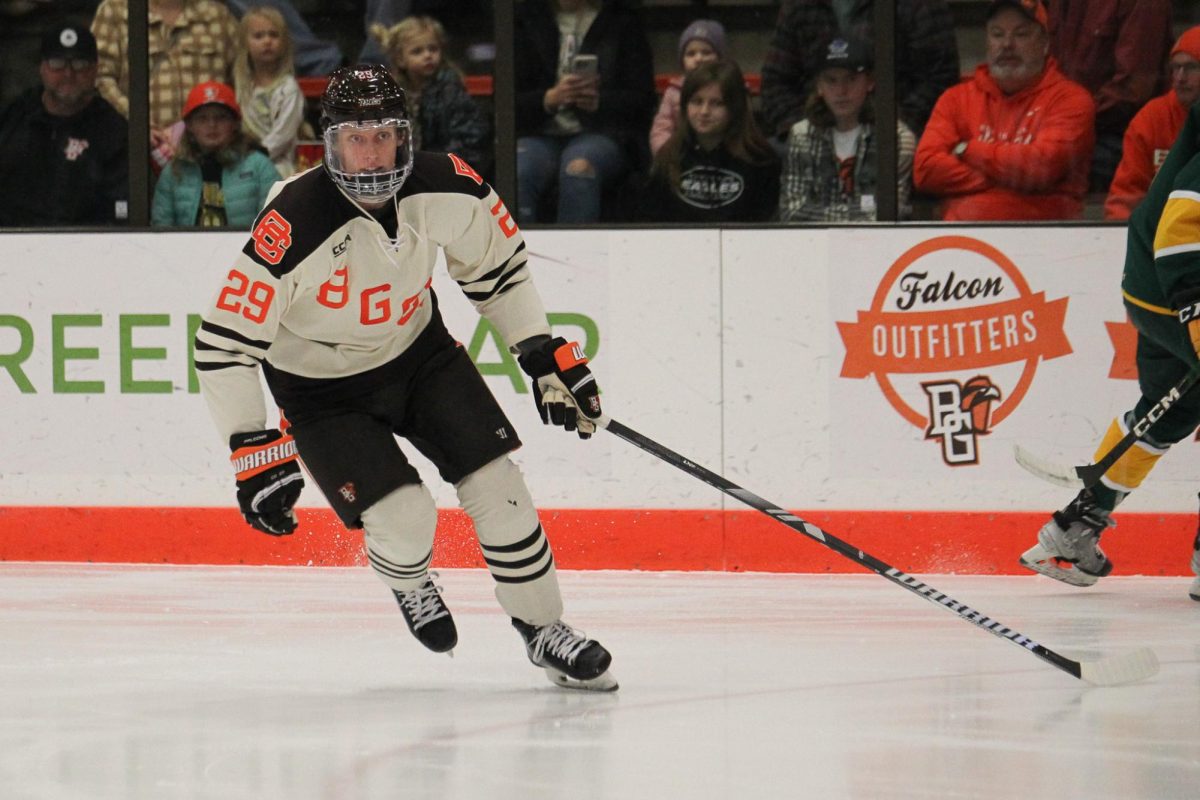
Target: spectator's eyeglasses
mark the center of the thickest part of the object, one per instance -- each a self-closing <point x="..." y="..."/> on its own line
<point x="76" y="64"/>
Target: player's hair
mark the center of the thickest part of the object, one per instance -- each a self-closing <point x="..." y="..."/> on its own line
<point x="743" y="138"/>
<point x="243" y="70"/>
<point x="400" y="35"/>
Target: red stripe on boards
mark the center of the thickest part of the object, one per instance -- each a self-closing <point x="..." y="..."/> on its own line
<point x="922" y="542"/>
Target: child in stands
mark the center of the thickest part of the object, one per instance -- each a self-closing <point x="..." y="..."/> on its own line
<point x="264" y="77"/>
<point x="217" y="177"/>
<point x="702" y="42"/>
<point x="717" y="166"/>
<point x="830" y="171"/>
<point x="445" y="118"/>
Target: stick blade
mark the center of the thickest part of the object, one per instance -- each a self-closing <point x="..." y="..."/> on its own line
<point x="1120" y="670"/>
<point x="1046" y="469"/>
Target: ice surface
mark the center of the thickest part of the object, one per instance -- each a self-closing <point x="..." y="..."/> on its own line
<point x="129" y="682"/>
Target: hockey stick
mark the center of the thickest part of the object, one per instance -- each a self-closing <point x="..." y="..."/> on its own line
<point x="1109" y="671"/>
<point x="1088" y="475"/>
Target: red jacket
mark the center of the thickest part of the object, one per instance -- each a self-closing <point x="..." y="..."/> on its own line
<point x="1148" y="139"/>
<point x="1116" y="49"/>
<point x="1027" y="156"/>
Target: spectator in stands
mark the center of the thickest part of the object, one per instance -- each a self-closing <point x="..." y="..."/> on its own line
<point x="445" y="118"/>
<point x="1116" y="50"/>
<point x="581" y="133"/>
<point x="311" y="55"/>
<point x="702" y="42"/>
<point x="63" y="148"/>
<point x="191" y="41"/>
<point x="830" y="171"/>
<point x="319" y="57"/>
<point x="926" y="56"/>
<point x="717" y="166"/>
<point x="217" y="176"/>
<point x="270" y="98"/>
<point x="1015" y="141"/>
<point x="1153" y="130"/>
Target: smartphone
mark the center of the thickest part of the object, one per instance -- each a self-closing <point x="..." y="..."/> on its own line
<point x="585" y="64"/>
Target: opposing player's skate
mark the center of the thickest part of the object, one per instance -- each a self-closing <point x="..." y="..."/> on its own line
<point x="570" y="658"/>
<point x="1068" y="547"/>
<point x="427" y="616"/>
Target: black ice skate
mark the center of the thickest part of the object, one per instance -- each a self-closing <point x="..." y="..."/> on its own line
<point x="1068" y="547"/>
<point x="427" y="616"/>
<point x="570" y="659"/>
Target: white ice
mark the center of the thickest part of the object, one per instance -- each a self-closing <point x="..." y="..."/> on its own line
<point x="130" y="682"/>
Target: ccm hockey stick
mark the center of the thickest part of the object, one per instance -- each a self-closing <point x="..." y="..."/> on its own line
<point x="1088" y="475"/>
<point x="1108" y="671"/>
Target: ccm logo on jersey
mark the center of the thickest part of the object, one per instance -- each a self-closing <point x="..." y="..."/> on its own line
<point x="341" y="246"/>
<point x="1189" y="313"/>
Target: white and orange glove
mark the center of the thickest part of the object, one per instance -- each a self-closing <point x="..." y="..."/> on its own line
<point x="268" y="479"/>
<point x="564" y="389"/>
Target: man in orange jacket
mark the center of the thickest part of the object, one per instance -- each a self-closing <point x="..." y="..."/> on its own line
<point x="1153" y="129"/>
<point x="1015" y="140"/>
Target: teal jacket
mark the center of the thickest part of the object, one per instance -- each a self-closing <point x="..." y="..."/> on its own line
<point x="244" y="185"/>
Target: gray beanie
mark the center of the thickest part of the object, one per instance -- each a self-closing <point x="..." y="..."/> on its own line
<point x="708" y="30"/>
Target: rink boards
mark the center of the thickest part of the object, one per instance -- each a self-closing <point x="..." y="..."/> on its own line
<point x="874" y="381"/>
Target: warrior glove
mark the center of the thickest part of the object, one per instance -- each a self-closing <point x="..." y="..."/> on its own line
<point x="1187" y="303"/>
<point x="564" y="389"/>
<point x="268" y="479"/>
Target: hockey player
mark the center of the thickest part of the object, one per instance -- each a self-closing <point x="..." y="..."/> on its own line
<point x="332" y="297"/>
<point x="1161" y="287"/>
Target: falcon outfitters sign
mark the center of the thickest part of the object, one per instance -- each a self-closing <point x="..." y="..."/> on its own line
<point x="956" y="314"/>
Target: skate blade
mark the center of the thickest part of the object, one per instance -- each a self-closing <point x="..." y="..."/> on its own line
<point x="1037" y="559"/>
<point x="601" y="683"/>
<point x="1194" y="590"/>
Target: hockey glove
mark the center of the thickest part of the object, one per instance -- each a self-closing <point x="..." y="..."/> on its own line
<point x="268" y="479"/>
<point x="564" y="389"/>
<point x="1187" y="304"/>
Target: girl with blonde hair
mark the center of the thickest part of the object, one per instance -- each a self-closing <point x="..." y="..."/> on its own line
<point x="444" y="116"/>
<point x="264" y="77"/>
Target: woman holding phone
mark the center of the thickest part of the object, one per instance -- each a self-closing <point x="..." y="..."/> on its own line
<point x="585" y="96"/>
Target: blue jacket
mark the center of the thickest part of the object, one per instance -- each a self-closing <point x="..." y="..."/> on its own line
<point x="244" y="185"/>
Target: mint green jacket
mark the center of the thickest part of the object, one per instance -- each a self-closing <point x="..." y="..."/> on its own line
<point x="244" y="186"/>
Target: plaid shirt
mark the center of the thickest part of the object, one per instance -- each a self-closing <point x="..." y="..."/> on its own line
<point x="198" y="47"/>
<point x="815" y="187"/>
<point x="926" y="56"/>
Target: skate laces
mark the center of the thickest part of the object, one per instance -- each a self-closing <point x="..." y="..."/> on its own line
<point x="424" y="604"/>
<point x="559" y="640"/>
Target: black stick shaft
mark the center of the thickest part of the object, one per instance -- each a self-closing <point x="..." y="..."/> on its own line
<point x="1091" y="474"/>
<point x="843" y="548"/>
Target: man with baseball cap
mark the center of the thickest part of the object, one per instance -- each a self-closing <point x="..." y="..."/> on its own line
<point x="63" y="148"/>
<point x="1015" y="141"/>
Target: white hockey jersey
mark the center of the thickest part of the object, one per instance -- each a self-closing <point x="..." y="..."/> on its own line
<point x="321" y="292"/>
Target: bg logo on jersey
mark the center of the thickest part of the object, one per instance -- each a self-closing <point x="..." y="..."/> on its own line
<point x="953" y="337"/>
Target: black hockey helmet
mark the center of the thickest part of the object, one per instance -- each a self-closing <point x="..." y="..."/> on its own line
<point x="366" y="98"/>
